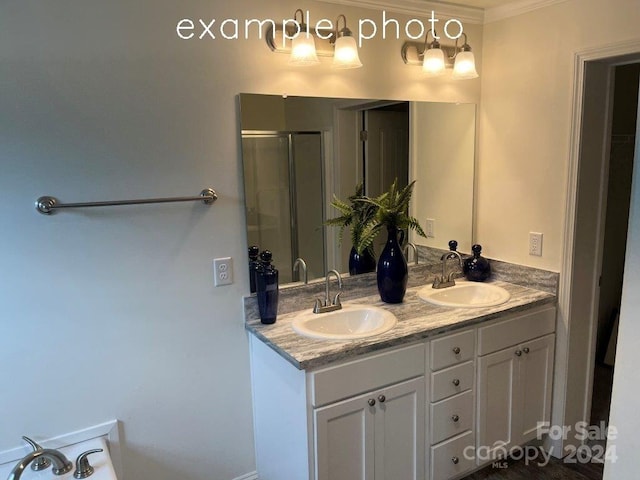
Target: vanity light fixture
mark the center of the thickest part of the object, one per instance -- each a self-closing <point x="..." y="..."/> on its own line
<point x="465" y="62"/>
<point x="346" y="50"/>
<point x="433" y="57"/>
<point x="311" y="43"/>
<point x="436" y="58"/>
<point x="303" y="47"/>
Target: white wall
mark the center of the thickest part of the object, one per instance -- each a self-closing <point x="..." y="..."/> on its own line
<point x="525" y="120"/>
<point x="111" y="313"/>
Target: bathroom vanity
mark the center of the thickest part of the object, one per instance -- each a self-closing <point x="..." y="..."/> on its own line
<point x="415" y="402"/>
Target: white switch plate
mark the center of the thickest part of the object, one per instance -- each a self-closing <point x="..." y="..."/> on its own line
<point x="222" y="271"/>
<point x="535" y="244"/>
<point x="431" y="228"/>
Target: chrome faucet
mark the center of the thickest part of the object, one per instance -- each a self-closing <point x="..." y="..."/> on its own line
<point x="61" y="464"/>
<point x="301" y="264"/>
<point x="415" y="252"/>
<point x="447" y="280"/>
<point x="329" y="305"/>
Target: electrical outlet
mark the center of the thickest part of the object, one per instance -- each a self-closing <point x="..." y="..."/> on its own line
<point x="535" y="244"/>
<point x="431" y="228"/>
<point x="222" y="271"/>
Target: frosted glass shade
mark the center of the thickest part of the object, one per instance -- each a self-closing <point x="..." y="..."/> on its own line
<point x="346" y="53"/>
<point x="465" y="66"/>
<point x="303" y="51"/>
<point x="433" y="62"/>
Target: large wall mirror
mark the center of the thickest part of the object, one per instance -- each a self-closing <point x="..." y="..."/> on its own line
<point x="298" y="152"/>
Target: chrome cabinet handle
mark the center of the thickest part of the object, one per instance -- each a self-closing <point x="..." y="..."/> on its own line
<point x="455" y="418"/>
<point x="40" y="463"/>
<point x="381" y="398"/>
<point x="519" y="353"/>
<point x="456" y="382"/>
<point x="456" y="350"/>
<point x="526" y="350"/>
<point x="455" y="460"/>
<point x="371" y="402"/>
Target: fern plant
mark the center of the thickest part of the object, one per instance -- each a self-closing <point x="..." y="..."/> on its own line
<point x="391" y="211"/>
<point x="355" y="214"/>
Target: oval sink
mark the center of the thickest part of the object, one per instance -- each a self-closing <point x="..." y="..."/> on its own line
<point x="465" y="294"/>
<point x="352" y="321"/>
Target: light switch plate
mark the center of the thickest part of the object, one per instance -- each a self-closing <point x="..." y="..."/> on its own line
<point x="431" y="228"/>
<point x="535" y="244"/>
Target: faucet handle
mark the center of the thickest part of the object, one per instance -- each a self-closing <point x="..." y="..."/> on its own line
<point x="336" y="300"/>
<point x="40" y="463"/>
<point x="83" y="468"/>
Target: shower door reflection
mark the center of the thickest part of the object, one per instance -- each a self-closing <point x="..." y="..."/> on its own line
<point x="284" y="198"/>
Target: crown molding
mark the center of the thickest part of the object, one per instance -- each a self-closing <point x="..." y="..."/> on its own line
<point x="419" y="8"/>
<point x="515" y="8"/>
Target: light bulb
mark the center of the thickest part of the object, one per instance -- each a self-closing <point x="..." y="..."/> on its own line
<point x="303" y="51"/>
<point x="346" y="53"/>
<point x="465" y="66"/>
<point x="433" y="62"/>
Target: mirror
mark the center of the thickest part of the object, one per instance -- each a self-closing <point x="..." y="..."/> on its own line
<point x="298" y="152"/>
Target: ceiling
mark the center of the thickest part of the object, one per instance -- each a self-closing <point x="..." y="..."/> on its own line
<point x="481" y="3"/>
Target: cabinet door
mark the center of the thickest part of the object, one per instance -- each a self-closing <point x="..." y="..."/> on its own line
<point x="344" y="440"/>
<point x="400" y="431"/>
<point x="536" y="370"/>
<point x="497" y="398"/>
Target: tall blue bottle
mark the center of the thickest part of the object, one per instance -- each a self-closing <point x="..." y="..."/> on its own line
<point x="267" y="289"/>
<point x="254" y="266"/>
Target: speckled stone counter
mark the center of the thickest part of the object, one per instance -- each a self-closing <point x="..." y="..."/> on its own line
<point x="416" y="320"/>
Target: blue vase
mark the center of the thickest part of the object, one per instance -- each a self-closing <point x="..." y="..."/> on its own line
<point x="477" y="268"/>
<point x="267" y="289"/>
<point x="392" y="269"/>
<point x="364" y="263"/>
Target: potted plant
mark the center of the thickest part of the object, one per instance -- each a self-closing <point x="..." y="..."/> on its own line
<point x="356" y="214"/>
<point x="392" y="213"/>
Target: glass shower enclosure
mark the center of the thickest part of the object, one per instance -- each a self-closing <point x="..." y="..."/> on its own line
<point x="283" y="177"/>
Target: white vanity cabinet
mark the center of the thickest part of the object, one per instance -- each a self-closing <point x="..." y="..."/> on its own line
<point x="515" y="369"/>
<point x="359" y="420"/>
<point x="451" y="408"/>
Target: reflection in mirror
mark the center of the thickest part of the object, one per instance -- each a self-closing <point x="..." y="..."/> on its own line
<point x="298" y="152"/>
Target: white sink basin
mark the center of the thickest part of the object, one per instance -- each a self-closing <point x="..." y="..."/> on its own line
<point x="465" y="294"/>
<point x="352" y="321"/>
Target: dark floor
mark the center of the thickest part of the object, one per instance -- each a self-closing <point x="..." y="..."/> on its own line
<point x="559" y="469"/>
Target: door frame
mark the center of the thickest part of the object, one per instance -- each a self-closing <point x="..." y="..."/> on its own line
<point x="574" y="338"/>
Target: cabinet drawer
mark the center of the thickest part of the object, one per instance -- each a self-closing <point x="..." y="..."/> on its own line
<point x="453" y="457"/>
<point x="451" y="381"/>
<point x="516" y="330"/>
<point x="451" y="417"/>
<point x="338" y="382"/>
<point x="452" y="349"/>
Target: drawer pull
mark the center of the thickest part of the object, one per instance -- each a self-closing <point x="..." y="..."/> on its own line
<point x="456" y="350"/>
<point x="371" y="402"/>
<point x="455" y="418"/>
<point x="381" y="398"/>
<point x="456" y="382"/>
<point x="526" y="350"/>
<point x="519" y="353"/>
<point x="455" y="460"/>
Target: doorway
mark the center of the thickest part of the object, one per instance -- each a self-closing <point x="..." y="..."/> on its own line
<point x="621" y="161"/>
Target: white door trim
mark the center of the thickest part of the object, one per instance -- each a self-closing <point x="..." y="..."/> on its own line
<point x="562" y="382"/>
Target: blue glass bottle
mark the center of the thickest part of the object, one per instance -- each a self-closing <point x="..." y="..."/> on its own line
<point x="393" y="273"/>
<point x="267" y="289"/>
<point x="477" y="268"/>
<point x="254" y="266"/>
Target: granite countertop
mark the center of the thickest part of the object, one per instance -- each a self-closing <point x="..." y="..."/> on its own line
<point x="416" y="320"/>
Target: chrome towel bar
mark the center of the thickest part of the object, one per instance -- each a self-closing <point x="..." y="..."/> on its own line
<point x="46" y="204"/>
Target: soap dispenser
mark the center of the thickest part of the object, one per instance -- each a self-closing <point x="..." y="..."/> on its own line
<point x="477" y="268"/>
<point x="267" y="289"/>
